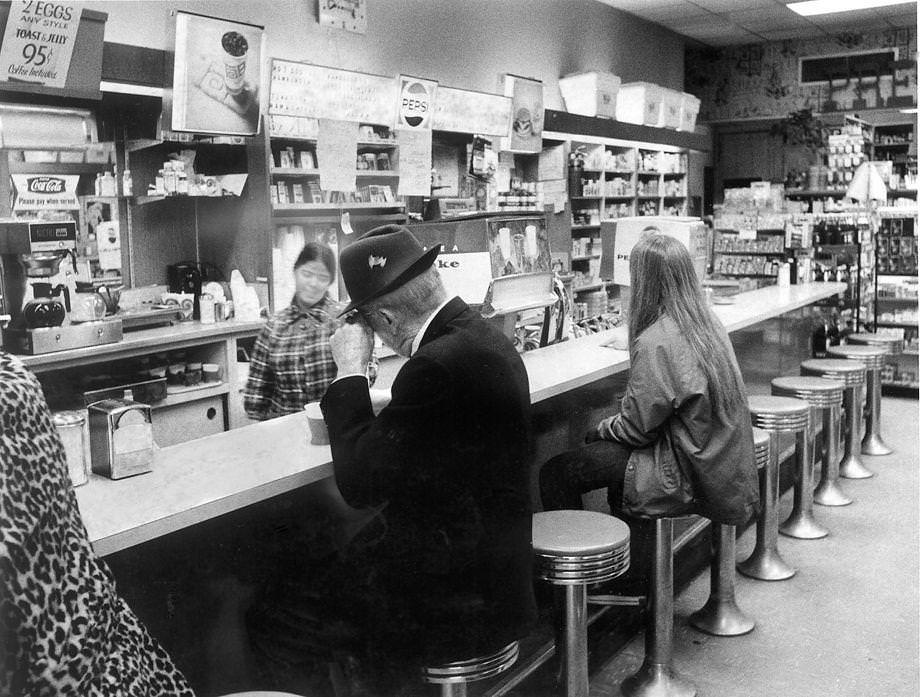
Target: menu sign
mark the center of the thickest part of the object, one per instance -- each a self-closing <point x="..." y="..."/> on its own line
<point x="465" y="111"/>
<point x="300" y="89"/>
<point x="38" y="42"/>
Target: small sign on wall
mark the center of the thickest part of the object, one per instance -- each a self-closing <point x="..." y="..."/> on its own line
<point x="38" y="42"/>
<point x="350" y="15"/>
<point x="416" y="103"/>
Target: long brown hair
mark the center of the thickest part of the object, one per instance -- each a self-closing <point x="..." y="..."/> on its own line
<point x="664" y="283"/>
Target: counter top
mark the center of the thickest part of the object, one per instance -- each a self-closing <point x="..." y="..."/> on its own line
<point x="143" y="341"/>
<point x="194" y="481"/>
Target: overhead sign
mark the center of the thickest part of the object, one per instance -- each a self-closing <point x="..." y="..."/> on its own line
<point x="38" y="42"/>
<point x="301" y="89"/>
<point x="45" y="192"/>
<point x="416" y="102"/>
<point x="466" y="111"/>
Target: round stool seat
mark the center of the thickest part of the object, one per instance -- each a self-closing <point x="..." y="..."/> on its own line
<point x="775" y="414"/>
<point x="579" y="547"/>
<point x="761" y="447"/>
<point x="892" y="344"/>
<point x="478" y="668"/>
<point x="872" y="357"/>
<point x="819" y="392"/>
<point x="852" y="373"/>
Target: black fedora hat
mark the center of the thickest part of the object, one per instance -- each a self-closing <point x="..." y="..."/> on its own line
<point x="380" y="261"/>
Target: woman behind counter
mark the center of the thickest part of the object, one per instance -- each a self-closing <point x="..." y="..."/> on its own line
<point x="291" y="363"/>
<point x="682" y="441"/>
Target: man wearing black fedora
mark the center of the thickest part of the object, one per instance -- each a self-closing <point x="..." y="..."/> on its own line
<point x="444" y="571"/>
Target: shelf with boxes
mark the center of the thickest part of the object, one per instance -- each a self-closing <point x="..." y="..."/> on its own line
<point x="615" y="181"/>
<point x="296" y="173"/>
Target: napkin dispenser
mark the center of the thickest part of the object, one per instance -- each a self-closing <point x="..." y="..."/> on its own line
<point x="121" y="438"/>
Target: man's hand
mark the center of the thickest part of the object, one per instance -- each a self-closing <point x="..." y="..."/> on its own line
<point x="352" y="345"/>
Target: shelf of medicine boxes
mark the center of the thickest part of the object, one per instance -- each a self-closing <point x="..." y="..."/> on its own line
<point x="614" y="186"/>
<point x="214" y="155"/>
<point x="294" y="162"/>
<point x="729" y="250"/>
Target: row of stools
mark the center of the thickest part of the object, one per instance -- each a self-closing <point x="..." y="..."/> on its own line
<point x="575" y="548"/>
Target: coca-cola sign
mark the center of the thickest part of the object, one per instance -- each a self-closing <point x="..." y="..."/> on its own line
<point x="46" y="185"/>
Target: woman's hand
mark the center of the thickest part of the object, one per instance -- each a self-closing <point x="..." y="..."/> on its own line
<point x="352" y="345"/>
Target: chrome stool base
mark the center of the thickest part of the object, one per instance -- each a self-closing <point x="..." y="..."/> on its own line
<point x="829" y="494"/>
<point x="656" y="680"/>
<point x="767" y="565"/>
<point x="874" y="445"/>
<point x="803" y="526"/>
<point x="853" y="468"/>
<point x="720" y="615"/>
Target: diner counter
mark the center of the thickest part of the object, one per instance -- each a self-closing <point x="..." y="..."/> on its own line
<point x="194" y="481"/>
<point x="145" y="341"/>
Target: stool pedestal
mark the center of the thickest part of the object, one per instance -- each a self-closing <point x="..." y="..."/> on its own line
<point x="656" y="677"/>
<point x="852" y="467"/>
<point x="872" y="443"/>
<point x="828" y="492"/>
<point x="774" y="415"/>
<point x="872" y="356"/>
<point x="801" y="523"/>
<point x="721" y="615"/>
<point x="573" y="549"/>
<point x="853" y="375"/>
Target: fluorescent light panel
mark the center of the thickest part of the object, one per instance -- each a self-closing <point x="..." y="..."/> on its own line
<point x="824" y="7"/>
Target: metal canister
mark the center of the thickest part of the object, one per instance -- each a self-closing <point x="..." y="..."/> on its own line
<point x="73" y="429"/>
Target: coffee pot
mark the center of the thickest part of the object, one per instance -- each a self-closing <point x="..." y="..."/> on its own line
<point x="44" y="310"/>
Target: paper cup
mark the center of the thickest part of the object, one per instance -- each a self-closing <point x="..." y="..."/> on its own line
<point x="319" y="434"/>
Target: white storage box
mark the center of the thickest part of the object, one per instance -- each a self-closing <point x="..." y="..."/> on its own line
<point x="639" y="102"/>
<point x="671" y="105"/>
<point x="689" y="108"/>
<point x="590" y="94"/>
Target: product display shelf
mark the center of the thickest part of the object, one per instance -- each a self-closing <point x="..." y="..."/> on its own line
<point x="757" y="258"/>
<point x="610" y="179"/>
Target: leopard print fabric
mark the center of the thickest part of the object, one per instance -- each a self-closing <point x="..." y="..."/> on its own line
<point x="64" y="630"/>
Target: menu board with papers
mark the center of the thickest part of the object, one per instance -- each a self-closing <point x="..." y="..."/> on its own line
<point x="464" y="111"/>
<point x="301" y="89"/>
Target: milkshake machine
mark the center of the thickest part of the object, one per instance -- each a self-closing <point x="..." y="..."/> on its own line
<point x="31" y="252"/>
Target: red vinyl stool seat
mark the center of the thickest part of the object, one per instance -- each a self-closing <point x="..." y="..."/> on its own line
<point x="453" y="677"/>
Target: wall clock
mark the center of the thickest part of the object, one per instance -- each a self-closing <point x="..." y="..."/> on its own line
<point x="350" y="15"/>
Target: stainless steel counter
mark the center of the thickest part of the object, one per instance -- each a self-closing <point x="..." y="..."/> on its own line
<point x="198" y="480"/>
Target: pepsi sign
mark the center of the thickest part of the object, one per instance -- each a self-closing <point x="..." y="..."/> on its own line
<point x="416" y="102"/>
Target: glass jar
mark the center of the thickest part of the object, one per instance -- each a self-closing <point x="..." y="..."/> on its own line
<point x="73" y="429"/>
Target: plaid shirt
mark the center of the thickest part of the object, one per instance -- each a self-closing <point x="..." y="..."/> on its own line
<point x="291" y="363"/>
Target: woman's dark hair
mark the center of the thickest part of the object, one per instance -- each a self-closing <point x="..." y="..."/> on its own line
<point x="664" y="282"/>
<point x="314" y="251"/>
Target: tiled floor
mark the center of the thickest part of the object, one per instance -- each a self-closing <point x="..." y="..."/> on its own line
<point x="846" y="625"/>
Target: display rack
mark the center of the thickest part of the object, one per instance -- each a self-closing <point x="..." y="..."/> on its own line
<point x="896" y="301"/>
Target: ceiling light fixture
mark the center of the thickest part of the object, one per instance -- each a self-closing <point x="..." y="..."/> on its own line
<point x="824" y="7"/>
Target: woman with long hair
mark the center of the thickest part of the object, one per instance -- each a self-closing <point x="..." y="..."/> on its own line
<point x="682" y="440"/>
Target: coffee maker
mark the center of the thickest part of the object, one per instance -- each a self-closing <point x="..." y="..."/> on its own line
<point x="31" y="252"/>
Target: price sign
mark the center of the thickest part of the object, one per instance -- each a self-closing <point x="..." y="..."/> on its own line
<point x="38" y="42"/>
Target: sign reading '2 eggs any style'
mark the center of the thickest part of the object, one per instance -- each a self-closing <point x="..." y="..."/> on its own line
<point x="416" y="102"/>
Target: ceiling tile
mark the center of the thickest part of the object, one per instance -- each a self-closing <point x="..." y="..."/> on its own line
<point x="728" y="5"/>
<point x="667" y="14"/>
<point x="852" y="20"/>
<point x="791" y="33"/>
<point x="771" y="13"/>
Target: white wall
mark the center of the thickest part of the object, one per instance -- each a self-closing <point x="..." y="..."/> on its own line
<point x="461" y="43"/>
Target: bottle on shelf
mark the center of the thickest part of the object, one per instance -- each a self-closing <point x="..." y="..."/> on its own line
<point x="819" y="336"/>
<point x="127" y="183"/>
<point x="833" y="330"/>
